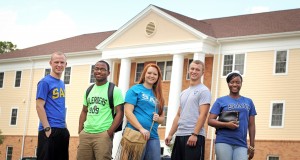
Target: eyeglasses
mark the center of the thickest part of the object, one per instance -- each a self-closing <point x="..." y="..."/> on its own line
<point x="100" y="69"/>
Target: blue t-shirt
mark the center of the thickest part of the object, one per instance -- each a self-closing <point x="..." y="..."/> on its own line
<point x="52" y="91"/>
<point x="246" y="108"/>
<point x="144" y="102"/>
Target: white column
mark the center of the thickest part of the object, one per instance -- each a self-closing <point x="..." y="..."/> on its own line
<point x="124" y="79"/>
<point x="199" y="56"/>
<point x="175" y="90"/>
<point x="110" y="78"/>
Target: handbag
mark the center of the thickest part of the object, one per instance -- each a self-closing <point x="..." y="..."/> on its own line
<point x="132" y="145"/>
<point x="227" y="116"/>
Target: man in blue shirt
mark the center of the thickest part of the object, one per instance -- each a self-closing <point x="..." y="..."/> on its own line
<point x="53" y="136"/>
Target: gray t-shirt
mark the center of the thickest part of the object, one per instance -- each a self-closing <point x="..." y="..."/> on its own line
<point x="190" y="100"/>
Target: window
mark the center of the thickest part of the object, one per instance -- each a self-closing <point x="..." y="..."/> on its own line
<point x="138" y="71"/>
<point x="277" y="114"/>
<point x="166" y="69"/>
<point x="273" y="158"/>
<point x="1" y="79"/>
<point x="233" y="62"/>
<point x="281" y="62"/>
<point x="188" y="69"/>
<point x="47" y="71"/>
<point x="18" y="79"/>
<point x="13" y="118"/>
<point x="67" y="76"/>
<point x="9" y="152"/>
<point x="92" y="78"/>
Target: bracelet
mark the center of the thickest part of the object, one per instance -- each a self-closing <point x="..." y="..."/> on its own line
<point x="194" y="134"/>
<point x="251" y="148"/>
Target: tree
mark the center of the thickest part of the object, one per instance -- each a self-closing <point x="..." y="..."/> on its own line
<point x="6" y="46"/>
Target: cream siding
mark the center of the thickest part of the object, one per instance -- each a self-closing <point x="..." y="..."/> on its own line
<point x="14" y="97"/>
<point x="263" y="87"/>
<point x="166" y="32"/>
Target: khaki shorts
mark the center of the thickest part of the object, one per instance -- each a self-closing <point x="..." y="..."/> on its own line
<point x="94" y="146"/>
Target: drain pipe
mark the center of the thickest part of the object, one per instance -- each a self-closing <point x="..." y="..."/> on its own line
<point x="216" y="95"/>
<point x="27" y="108"/>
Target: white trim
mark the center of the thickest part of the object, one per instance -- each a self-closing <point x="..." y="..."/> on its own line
<point x="260" y="36"/>
<point x="287" y="63"/>
<point x="271" y="113"/>
<point x="260" y="45"/>
<point x="165" y="68"/>
<point x="63" y="76"/>
<point x="7" y="151"/>
<point x="45" y="71"/>
<point x="16" y="117"/>
<point x="14" y="84"/>
<point x="91" y="73"/>
<point x="136" y="66"/>
<point x="188" y="69"/>
<point x="233" y="64"/>
<point x="153" y="50"/>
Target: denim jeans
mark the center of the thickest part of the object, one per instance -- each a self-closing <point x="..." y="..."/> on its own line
<point x="230" y="152"/>
<point x="152" y="150"/>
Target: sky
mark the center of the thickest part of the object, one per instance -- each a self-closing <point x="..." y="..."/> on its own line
<point x="28" y="23"/>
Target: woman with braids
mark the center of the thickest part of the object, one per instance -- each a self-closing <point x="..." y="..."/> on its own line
<point x="144" y="109"/>
<point x="231" y="137"/>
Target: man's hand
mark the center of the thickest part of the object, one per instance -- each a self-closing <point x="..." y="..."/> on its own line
<point x="110" y="133"/>
<point x="168" y="140"/>
<point x="192" y="141"/>
<point x="48" y="133"/>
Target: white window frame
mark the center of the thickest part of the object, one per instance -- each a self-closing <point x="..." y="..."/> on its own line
<point x="92" y="79"/>
<point x="45" y="70"/>
<point x="16" y="79"/>
<point x="69" y="75"/>
<point x="35" y="151"/>
<point x="16" y="117"/>
<point x="135" y="72"/>
<point x="163" y="72"/>
<point x="3" y="80"/>
<point x="269" y="156"/>
<point x="271" y="113"/>
<point x="233" y="63"/>
<point x="188" y="69"/>
<point x="287" y="62"/>
<point x="6" y="154"/>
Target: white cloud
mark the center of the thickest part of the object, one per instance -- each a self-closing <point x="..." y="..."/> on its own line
<point x="57" y="25"/>
<point x="258" y="9"/>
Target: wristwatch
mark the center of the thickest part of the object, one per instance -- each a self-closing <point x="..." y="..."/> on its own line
<point x="194" y="134"/>
<point x="47" y="129"/>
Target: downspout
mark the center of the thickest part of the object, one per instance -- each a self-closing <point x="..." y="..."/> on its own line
<point x="216" y="95"/>
<point x="27" y="108"/>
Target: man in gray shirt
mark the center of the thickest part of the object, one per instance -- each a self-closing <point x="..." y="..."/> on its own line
<point x="190" y="118"/>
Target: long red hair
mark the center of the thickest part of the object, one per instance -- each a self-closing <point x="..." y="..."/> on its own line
<point x="156" y="87"/>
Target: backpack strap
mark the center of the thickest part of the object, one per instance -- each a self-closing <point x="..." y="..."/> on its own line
<point x="88" y="91"/>
<point x="111" y="87"/>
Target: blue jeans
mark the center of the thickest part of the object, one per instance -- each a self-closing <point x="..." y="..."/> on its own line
<point x="230" y="152"/>
<point x="152" y="150"/>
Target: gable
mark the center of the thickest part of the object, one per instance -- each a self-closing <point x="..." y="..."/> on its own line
<point x="166" y="31"/>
